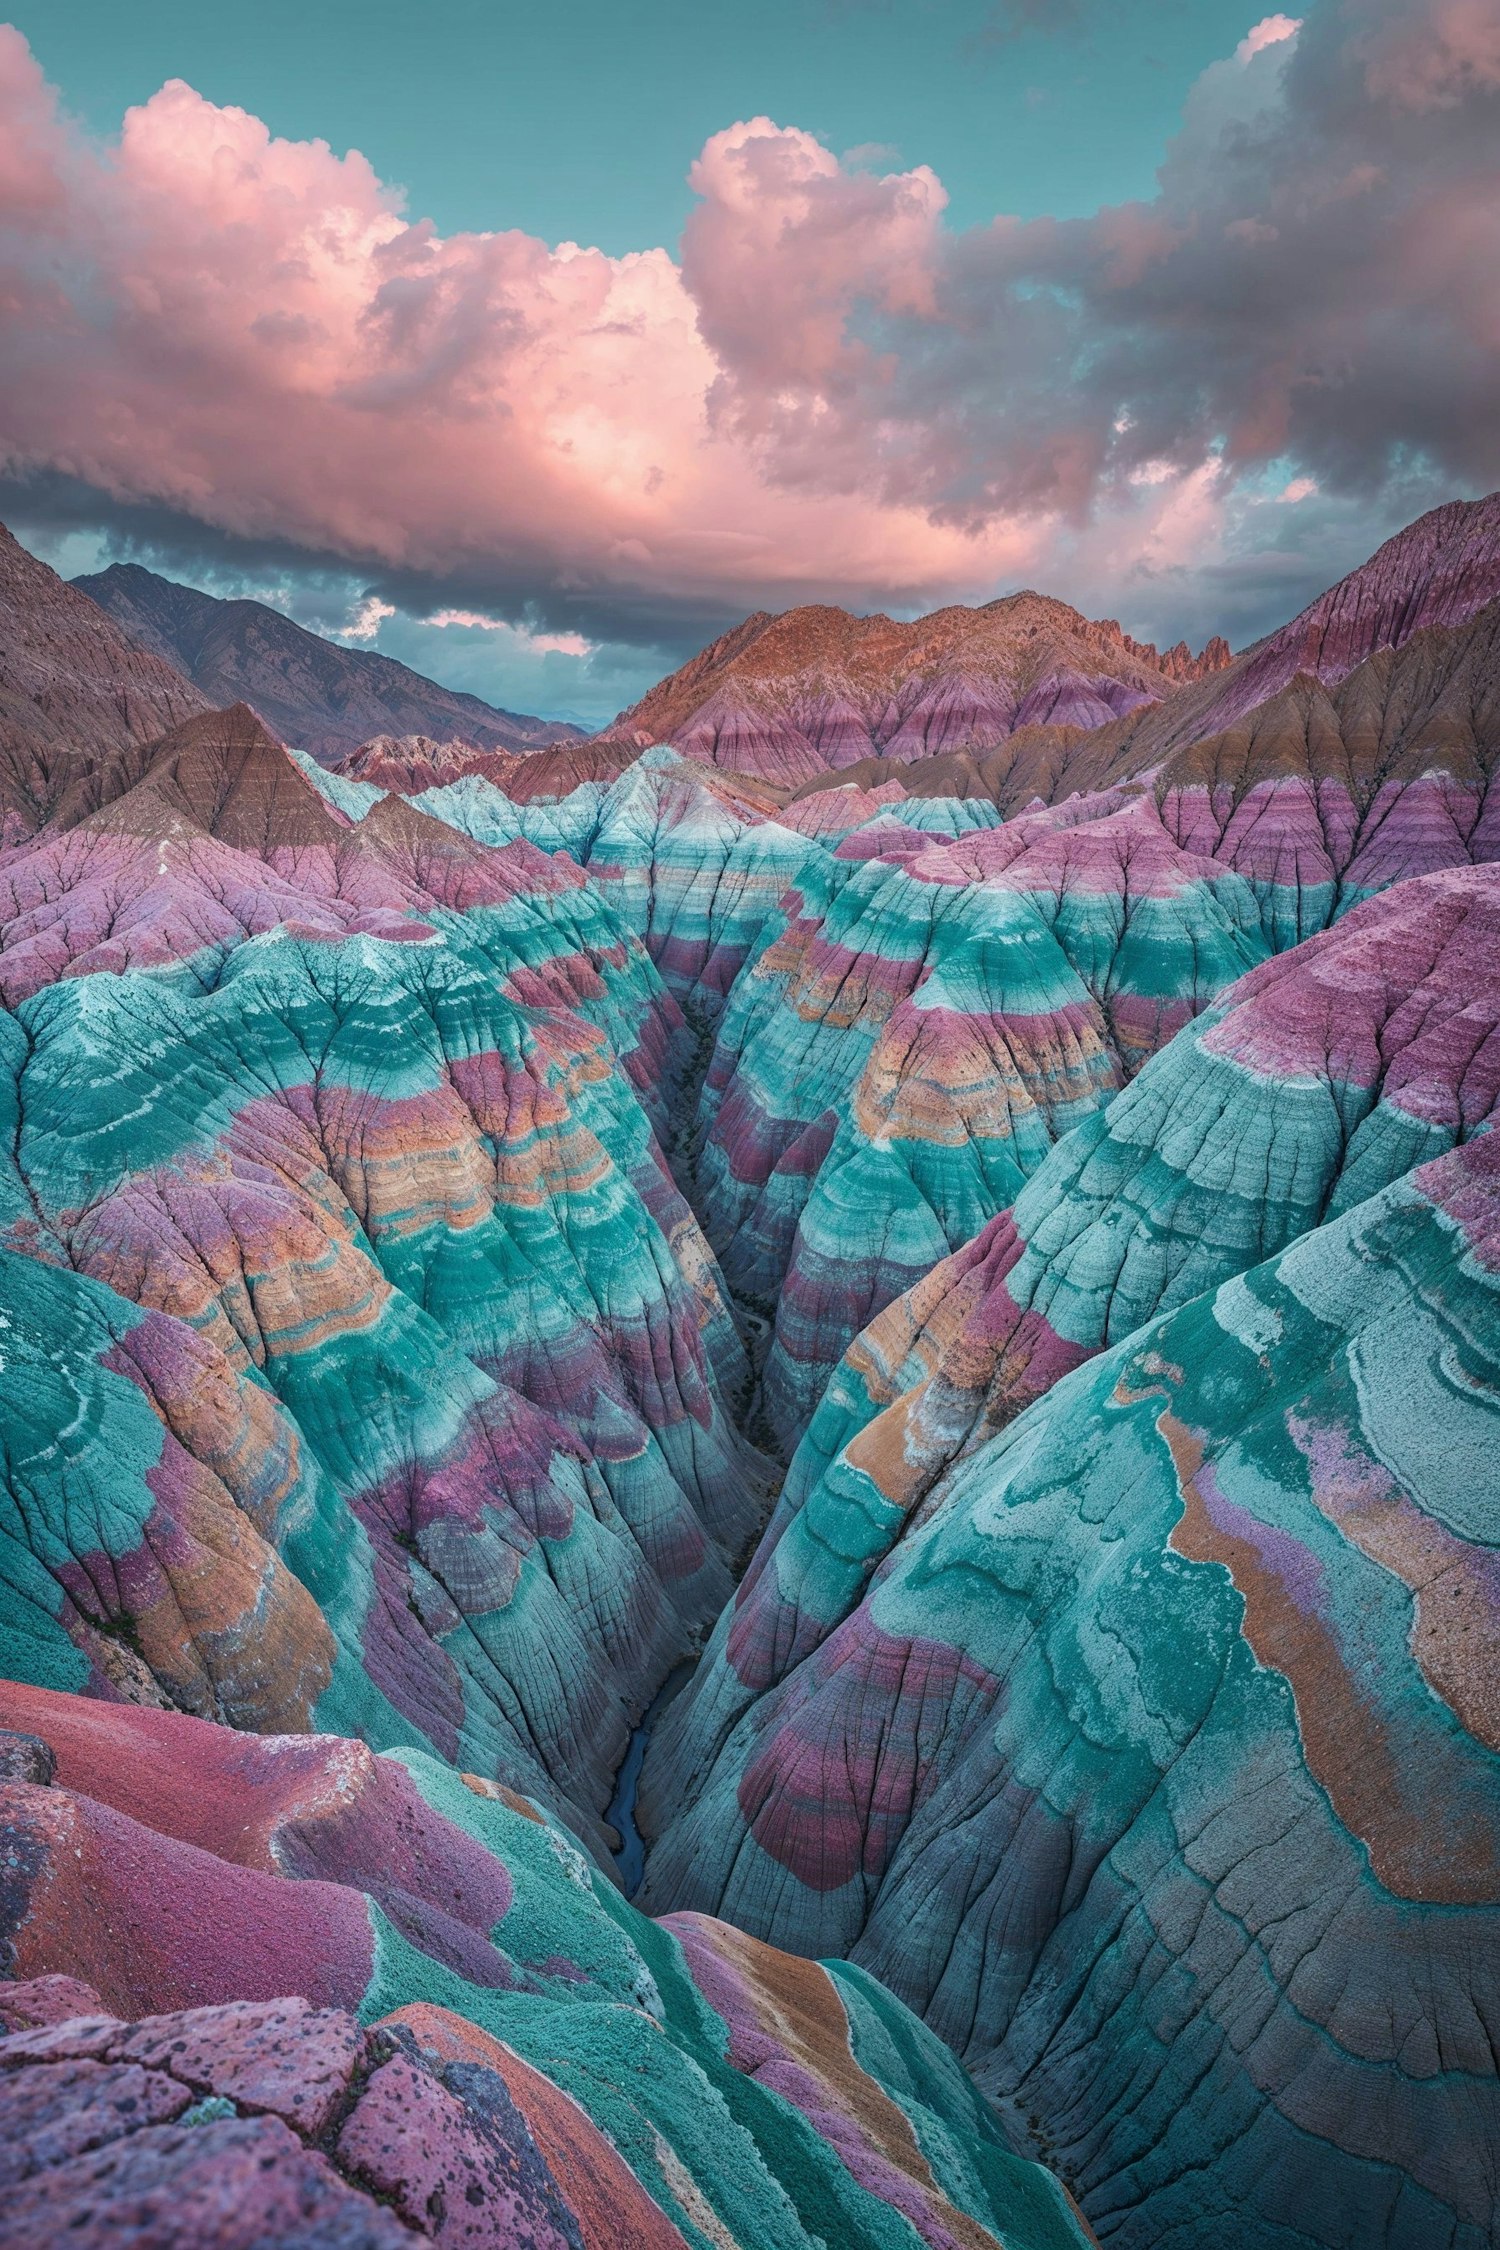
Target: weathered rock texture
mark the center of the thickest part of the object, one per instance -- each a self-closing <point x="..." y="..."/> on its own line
<point x="413" y="762"/>
<point x="792" y="696"/>
<point x="1321" y="1078"/>
<point x="407" y="1363"/>
<point x="287" y="1992"/>
<point x="933" y="1016"/>
<point x="1159" y="1764"/>
<point x="1311" y="743"/>
<point x="1105" y="1193"/>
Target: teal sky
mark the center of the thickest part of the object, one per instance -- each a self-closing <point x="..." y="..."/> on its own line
<point x="579" y="119"/>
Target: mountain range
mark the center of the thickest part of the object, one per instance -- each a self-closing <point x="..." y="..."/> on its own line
<point x="747" y="1489"/>
<point x="318" y="695"/>
<point x="792" y="696"/>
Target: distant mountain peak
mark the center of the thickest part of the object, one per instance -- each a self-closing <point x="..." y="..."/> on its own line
<point x="792" y="696"/>
<point x="319" y="695"/>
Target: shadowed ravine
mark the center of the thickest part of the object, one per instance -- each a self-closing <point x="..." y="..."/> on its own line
<point x="629" y="1856"/>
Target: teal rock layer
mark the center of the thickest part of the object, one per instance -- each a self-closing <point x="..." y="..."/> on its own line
<point x="900" y="1058"/>
<point x="376" y="1177"/>
<point x="689" y="861"/>
<point x="1321" y="1077"/>
<point x="1159" y="1767"/>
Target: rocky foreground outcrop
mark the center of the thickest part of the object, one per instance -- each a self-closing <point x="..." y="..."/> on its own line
<point x="282" y="1991"/>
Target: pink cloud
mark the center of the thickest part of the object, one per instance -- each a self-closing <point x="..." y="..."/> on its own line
<point x="1454" y="50"/>
<point x="1269" y="32"/>
<point x="254" y="333"/>
<point x="831" y="393"/>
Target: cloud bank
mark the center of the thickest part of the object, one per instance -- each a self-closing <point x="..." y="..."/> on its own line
<point x="828" y="393"/>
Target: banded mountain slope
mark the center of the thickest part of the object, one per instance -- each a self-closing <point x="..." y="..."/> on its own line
<point x="319" y="695"/>
<point x="1321" y="1078"/>
<point x="1433" y="576"/>
<point x="363" y="1251"/>
<point x="903" y="1054"/>
<point x="900" y="1025"/>
<point x="367" y="1368"/>
<point x="1385" y="681"/>
<point x="74" y="690"/>
<point x="1159" y="1765"/>
<point x="287" y="1992"/>
<point x="798" y="697"/>
<point x="693" y="860"/>
<point x="792" y="696"/>
<point x="835" y="1097"/>
<point x="411" y="763"/>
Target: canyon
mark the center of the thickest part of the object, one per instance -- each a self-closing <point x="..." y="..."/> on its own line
<point x="933" y="1187"/>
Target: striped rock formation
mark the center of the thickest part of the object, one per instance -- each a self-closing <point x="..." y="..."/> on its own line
<point x="411" y="763"/>
<point x="286" y="1991"/>
<point x="935" y="1014"/>
<point x="1355" y="746"/>
<point x="1159" y="1766"/>
<point x="815" y="689"/>
<point x="1321" y="1078"/>
<point x="695" y="865"/>
<point x="406" y="1362"/>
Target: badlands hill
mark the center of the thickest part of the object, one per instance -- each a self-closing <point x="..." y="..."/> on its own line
<point x="989" y="1265"/>
<point x="811" y="691"/>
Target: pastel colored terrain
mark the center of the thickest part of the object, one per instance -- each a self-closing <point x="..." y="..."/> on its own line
<point x="901" y="1058"/>
<point x="410" y="763"/>
<point x="915" y="1010"/>
<point x="285" y="1991"/>
<point x="1353" y="747"/>
<point x="1320" y="1079"/>
<point x="1159" y="1767"/>
<point x="441" y="1182"/>
<point x="792" y="696"/>
<point x="359" y="1230"/>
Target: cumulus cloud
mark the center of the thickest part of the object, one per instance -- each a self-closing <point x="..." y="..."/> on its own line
<point x="1269" y="32"/>
<point x="1452" y="51"/>
<point x="538" y="644"/>
<point x="1318" y="276"/>
<point x="829" y="393"/>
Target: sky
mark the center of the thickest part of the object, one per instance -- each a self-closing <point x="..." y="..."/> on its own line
<point x="535" y="346"/>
